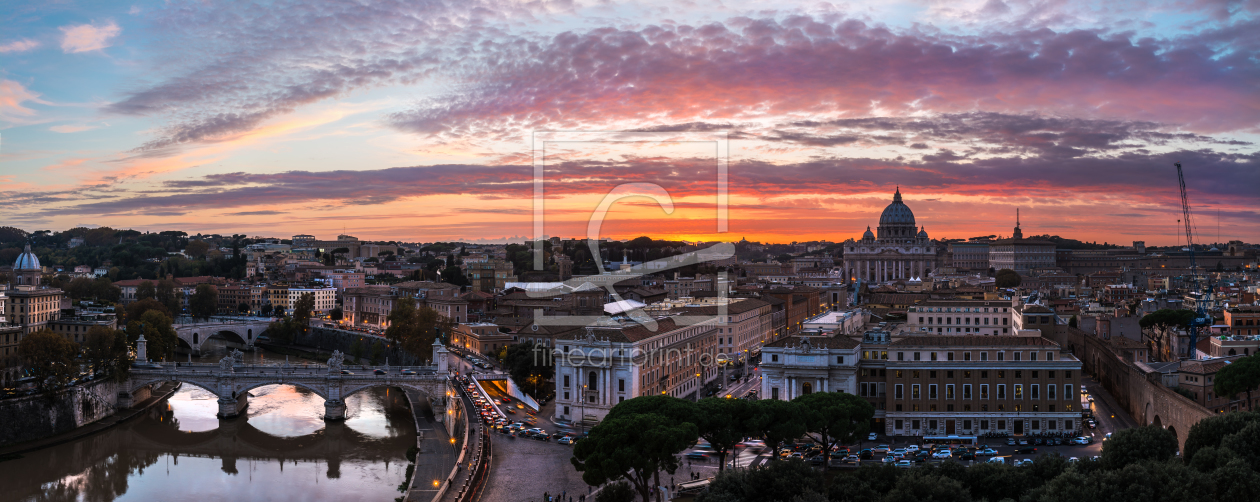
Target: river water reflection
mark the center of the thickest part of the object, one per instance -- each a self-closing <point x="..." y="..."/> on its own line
<point x="281" y="451"/>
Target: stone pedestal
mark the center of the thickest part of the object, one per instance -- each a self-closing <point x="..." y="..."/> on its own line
<point x="334" y="409"/>
<point x="229" y="407"/>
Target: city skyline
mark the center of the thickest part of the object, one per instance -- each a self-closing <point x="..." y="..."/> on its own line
<point x="412" y="122"/>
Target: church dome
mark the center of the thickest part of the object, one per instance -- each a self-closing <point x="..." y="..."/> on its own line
<point x="27" y="260"/>
<point x="897" y="213"/>
<point x="868" y="234"/>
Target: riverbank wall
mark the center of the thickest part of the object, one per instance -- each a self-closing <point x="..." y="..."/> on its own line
<point x="38" y="416"/>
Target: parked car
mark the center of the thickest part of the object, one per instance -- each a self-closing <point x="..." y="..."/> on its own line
<point x="1019" y="462"/>
<point x="1023" y="441"/>
<point x="1026" y="449"/>
<point x="904" y="464"/>
<point x="1010" y="441"/>
<point x="1082" y="440"/>
<point x="871" y="437"/>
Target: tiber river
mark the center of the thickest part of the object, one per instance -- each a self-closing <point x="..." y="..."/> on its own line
<point x="178" y="450"/>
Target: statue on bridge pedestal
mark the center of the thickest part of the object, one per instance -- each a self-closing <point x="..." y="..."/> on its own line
<point x="238" y="356"/>
<point x="226" y="363"/>
<point x="335" y="362"/>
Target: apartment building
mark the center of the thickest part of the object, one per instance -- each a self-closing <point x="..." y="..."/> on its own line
<point x="960" y="317"/>
<point x="743" y="324"/>
<point x="608" y="362"/>
<point x="368" y="305"/>
<point x="325" y="298"/>
<point x="76" y="327"/>
<point x="973" y="385"/>
<point x="1243" y="320"/>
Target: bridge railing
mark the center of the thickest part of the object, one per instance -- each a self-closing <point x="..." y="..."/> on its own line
<point x="214" y="367"/>
<point x="222" y="320"/>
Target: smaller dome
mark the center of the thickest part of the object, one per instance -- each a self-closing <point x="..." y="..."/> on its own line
<point x="922" y="233"/>
<point x="867" y="235"/>
<point x="27" y="260"/>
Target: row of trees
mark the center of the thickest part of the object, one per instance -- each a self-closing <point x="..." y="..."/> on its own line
<point x="55" y="361"/>
<point x="414" y="329"/>
<point x="642" y="437"/>
<point x="1221" y="461"/>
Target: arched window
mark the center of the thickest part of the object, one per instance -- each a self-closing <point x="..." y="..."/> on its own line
<point x="249" y="333"/>
<point x="807" y="388"/>
<point x="593" y="381"/>
<point x="1233" y="352"/>
<point x="195" y="338"/>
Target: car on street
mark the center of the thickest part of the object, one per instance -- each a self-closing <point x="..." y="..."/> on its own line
<point x="852" y="459"/>
<point x="565" y="440"/>
<point x="968" y="455"/>
<point x="409" y="372"/>
<point x="1082" y="440"/>
<point x="883" y="448"/>
<point x="346" y="372"/>
<point x="1026" y="449"/>
<point x="988" y="452"/>
<point x="1073" y="460"/>
<point x="1023" y="441"/>
<point x="889" y="459"/>
<point x="1108" y="436"/>
<point x="866" y="454"/>
<point x="943" y="454"/>
<point x="997" y="460"/>
<point x="904" y="464"/>
<point x="1019" y="462"/>
<point x="1010" y="441"/>
<point x="378" y="371"/>
<point x="899" y="452"/>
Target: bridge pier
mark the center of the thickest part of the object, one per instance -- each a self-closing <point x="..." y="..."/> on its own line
<point x="334" y="409"/>
<point x="232" y="407"/>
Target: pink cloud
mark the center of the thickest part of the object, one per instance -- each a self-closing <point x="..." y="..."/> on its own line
<point x="88" y="37"/>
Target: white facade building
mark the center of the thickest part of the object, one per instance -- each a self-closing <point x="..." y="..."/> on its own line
<point x="899" y="250"/>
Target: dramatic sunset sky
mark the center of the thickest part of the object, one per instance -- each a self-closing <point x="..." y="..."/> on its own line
<point x="414" y="120"/>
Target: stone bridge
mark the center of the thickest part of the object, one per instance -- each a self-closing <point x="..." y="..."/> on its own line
<point x="243" y="330"/>
<point x="231" y="381"/>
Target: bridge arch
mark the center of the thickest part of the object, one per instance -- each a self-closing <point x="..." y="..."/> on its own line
<point x="142" y="383"/>
<point x="1157" y="422"/>
<point x="322" y="393"/>
<point x="433" y="390"/>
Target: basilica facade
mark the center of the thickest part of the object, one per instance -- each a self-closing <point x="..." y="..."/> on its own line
<point x="897" y="250"/>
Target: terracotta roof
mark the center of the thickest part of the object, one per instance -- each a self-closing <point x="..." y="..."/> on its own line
<point x="623" y="334"/>
<point x="974" y="341"/>
<point x="1202" y="367"/>
<point x="897" y="298"/>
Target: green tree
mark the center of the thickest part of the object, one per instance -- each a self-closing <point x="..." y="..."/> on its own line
<point x="146" y="290"/>
<point x="414" y="329"/>
<point x="50" y="358"/>
<point x="616" y="492"/>
<point x="197" y="249"/>
<point x="169" y="294"/>
<point x="106" y="350"/>
<point x="1072" y="322"/>
<point x="531" y="365"/>
<point x="302" y="310"/>
<point x="103" y="289"/>
<point x="1245" y="444"/>
<point x="1138" y="444"/>
<point x="454" y="275"/>
<point x="1007" y="278"/>
<point x="635" y="448"/>
<point x="336" y="314"/>
<point x="266" y="310"/>
<point x="835" y="418"/>
<point x="678" y="410"/>
<point x="1163" y="322"/>
<point x="136" y="309"/>
<point x="1212" y="431"/>
<point x="777" y="422"/>
<point x="923" y="487"/>
<point x="724" y="423"/>
<point x="378" y="353"/>
<point x="204" y="301"/>
<point x="1242" y="375"/>
<point x="356" y="350"/>
<point x="778" y="481"/>
<point x="159" y="334"/>
<point x="243" y="308"/>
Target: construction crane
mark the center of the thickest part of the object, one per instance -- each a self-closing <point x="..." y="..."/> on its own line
<point x="1200" y="314"/>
